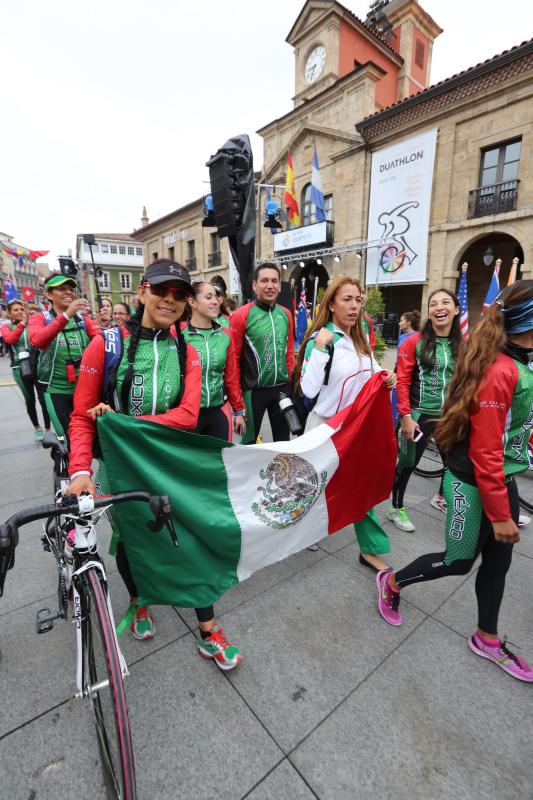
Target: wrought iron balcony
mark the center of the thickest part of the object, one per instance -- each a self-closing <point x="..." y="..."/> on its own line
<point x="190" y="263"/>
<point x="214" y="259"/>
<point x="495" y="199"/>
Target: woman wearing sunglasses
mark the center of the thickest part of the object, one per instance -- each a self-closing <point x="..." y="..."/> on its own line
<point x="161" y="393"/>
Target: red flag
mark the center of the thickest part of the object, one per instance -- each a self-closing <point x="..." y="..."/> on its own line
<point x="28" y="294"/>
<point x="290" y="195"/>
<point x="34" y="254"/>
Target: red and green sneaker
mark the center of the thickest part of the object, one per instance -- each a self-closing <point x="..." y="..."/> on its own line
<point x="216" y="646"/>
<point x="143" y="625"/>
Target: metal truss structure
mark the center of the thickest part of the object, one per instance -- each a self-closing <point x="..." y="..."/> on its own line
<point x="324" y="252"/>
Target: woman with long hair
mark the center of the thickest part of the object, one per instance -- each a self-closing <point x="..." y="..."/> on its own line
<point x="484" y="434"/>
<point x="159" y="379"/>
<point x="425" y="366"/>
<point x="23" y="365"/>
<point x="334" y="363"/>
<point x="220" y="376"/>
<point x="409" y="324"/>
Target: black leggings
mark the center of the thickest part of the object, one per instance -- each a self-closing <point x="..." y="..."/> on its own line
<point x="123" y="565"/>
<point x="60" y="407"/>
<point x="213" y="422"/>
<point x="267" y="399"/>
<point x="469" y="533"/>
<point x="29" y="386"/>
<point x="408" y="458"/>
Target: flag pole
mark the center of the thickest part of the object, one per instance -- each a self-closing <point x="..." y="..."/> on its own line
<point x="315" y="292"/>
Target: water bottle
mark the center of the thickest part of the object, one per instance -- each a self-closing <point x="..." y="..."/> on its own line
<point x="291" y="416"/>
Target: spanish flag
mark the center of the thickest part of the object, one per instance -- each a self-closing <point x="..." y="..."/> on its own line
<point x="290" y="195"/>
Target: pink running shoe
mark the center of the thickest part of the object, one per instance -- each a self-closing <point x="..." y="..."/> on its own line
<point x="388" y="600"/>
<point x="503" y="657"/>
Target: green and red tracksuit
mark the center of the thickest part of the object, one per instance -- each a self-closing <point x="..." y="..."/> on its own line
<point x="421" y="392"/>
<point x="62" y="342"/>
<point x="154" y="388"/>
<point x="220" y="377"/>
<point x="263" y="336"/>
<point x="479" y="485"/>
<point x="17" y="336"/>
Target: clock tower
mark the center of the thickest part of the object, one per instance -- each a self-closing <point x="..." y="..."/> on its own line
<point x="330" y="42"/>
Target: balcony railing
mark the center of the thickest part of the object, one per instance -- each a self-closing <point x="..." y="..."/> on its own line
<point x="214" y="259"/>
<point x="190" y="263"/>
<point x="495" y="199"/>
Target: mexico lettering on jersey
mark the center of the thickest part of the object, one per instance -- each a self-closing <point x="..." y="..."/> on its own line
<point x="422" y="388"/>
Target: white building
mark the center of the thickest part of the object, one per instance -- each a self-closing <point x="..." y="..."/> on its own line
<point x="119" y="257"/>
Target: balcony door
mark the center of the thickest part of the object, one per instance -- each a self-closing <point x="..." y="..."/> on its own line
<point x="498" y="180"/>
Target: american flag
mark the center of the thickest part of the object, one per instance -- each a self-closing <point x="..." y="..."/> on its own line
<point x="462" y="296"/>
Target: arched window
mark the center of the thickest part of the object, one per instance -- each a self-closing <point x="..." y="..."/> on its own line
<point x="308" y="209"/>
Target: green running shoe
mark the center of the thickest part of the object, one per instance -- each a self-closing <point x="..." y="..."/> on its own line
<point x="216" y="646"/>
<point x="400" y="519"/>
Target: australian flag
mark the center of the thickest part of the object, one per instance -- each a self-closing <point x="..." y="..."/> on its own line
<point x="462" y="296"/>
<point x="494" y="289"/>
<point x="301" y="317"/>
<point x="10" y="291"/>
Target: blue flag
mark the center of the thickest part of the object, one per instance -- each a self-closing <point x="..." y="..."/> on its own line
<point x="494" y="289"/>
<point x="317" y="198"/>
<point x="10" y="291"/>
<point x="301" y="317"/>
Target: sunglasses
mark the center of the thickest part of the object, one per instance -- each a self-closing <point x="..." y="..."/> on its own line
<point x="162" y="289"/>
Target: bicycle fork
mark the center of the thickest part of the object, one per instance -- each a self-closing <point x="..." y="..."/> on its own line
<point x="84" y="687"/>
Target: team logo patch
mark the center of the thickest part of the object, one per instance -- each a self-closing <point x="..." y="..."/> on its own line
<point x="291" y="486"/>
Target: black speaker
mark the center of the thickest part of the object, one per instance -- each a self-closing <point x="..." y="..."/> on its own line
<point x="285" y="296"/>
<point x="228" y="200"/>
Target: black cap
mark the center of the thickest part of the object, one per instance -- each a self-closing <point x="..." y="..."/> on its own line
<point x="166" y="271"/>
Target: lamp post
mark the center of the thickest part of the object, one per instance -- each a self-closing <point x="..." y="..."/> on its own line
<point x="90" y="240"/>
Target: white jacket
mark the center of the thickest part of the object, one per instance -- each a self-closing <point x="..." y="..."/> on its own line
<point x="349" y="373"/>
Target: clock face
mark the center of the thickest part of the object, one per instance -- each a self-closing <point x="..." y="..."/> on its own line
<point x="315" y="64"/>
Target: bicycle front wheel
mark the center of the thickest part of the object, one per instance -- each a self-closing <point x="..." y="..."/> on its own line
<point x="104" y="686"/>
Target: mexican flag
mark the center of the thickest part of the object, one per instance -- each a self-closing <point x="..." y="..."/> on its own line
<point x="238" y="508"/>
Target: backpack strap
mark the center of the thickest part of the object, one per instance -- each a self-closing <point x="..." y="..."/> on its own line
<point x="113" y="349"/>
<point x="181" y="346"/>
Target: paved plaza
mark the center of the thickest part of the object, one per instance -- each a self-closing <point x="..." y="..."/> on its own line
<point x="330" y="702"/>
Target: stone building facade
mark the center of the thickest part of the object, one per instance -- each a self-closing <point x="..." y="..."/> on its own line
<point x="361" y="86"/>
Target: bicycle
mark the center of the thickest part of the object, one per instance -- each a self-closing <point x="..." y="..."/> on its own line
<point x="526" y="504"/>
<point x="430" y="465"/>
<point x="100" y="665"/>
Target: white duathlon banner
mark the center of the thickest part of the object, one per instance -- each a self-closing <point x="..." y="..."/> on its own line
<point x="400" y="202"/>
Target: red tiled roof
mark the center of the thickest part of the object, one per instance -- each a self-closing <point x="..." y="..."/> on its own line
<point x="450" y="90"/>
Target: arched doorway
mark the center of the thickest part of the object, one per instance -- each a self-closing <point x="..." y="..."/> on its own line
<point x="481" y="256"/>
<point x="309" y="272"/>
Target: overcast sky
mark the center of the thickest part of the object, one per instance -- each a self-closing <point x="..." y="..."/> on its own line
<point x="109" y="106"/>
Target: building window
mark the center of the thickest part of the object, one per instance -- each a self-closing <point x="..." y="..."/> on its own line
<point x="500" y="163"/>
<point x="122" y="250"/>
<point x="113" y="248"/>
<point x="155" y="256"/>
<point x="497" y="191"/>
<point x="190" y="263"/>
<point x="131" y="251"/>
<point x="171" y="253"/>
<point x="309" y="209"/>
<point x="126" y="298"/>
<point x="105" y="248"/>
<point x="420" y="52"/>
<point x="214" y="258"/>
<point x="125" y="281"/>
<point x="138" y="251"/>
<point x="328" y="206"/>
<point x="103" y="281"/>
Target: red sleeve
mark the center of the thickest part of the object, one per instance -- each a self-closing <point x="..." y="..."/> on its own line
<point x="232" y="378"/>
<point x="184" y="416"/>
<point x="238" y="331"/>
<point x="12" y="335"/>
<point x="92" y="327"/>
<point x="88" y="393"/>
<point x="290" y="345"/>
<point x="406" y="365"/>
<point x="41" y="334"/>
<point x="487" y="428"/>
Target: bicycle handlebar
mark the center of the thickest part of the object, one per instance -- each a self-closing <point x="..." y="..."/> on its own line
<point x="9" y="531"/>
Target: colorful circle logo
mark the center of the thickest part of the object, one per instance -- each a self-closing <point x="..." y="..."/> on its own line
<point x="391" y="260"/>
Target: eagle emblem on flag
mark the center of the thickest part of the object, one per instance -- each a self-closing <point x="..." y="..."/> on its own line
<point x="291" y="488"/>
